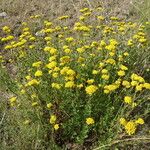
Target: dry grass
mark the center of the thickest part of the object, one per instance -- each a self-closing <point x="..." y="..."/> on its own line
<point x="19" y="10"/>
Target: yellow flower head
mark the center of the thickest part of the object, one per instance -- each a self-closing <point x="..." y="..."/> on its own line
<point x="126" y="84"/>
<point x="56" y="126"/>
<point x="123" y="67"/>
<point x="69" y="39"/>
<point x="105" y="76"/>
<point x="34" y="104"/>
<point x="52" y="119"/>
<point x="128" y="99"/>
<point x="104" y="71"/>
<point x="37" y="64"/>
<point x="146" y="85"/>
<point x="13" y="99"/>
<point x="95" y="72"/>
<point x="134" y="83"/>
<point x="90" y="121"/>
<point x="56" y="85"/>
<point x="90" y="81"/>
<point x="51" y="65"/>
<point x="139" y="87"/>
<point x="70" y="84"/>
<point x="6" y="29"/>
<point x="33" y="82"/>
<point x="134" y="105"/>
<point x="126" y="54"/>
<point x="123" y="121"/>
<point x="130" y="127"/>
<point x="38" y="73"/>
<point x="49" y="105"/>
<point x="71" y="72"/>
<point x="91" y="89"/>
<point x="100" y="17"/>
<point x="139" y="121"/>
<point x="121" y="73"/>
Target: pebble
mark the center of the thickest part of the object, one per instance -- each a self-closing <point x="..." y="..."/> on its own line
<point x="3" y="14"/>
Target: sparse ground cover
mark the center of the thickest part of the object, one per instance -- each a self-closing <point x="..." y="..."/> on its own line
<point x="74" y="75"/>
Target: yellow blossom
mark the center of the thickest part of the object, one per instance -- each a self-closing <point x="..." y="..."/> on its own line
<point x="6" y="29"/>
<point x="51" y="65"/>
<point x="111" y="61"/>
<point x="91" y="89"/>
<point x="95" y="72"/>
<point x="102" y="43"/>
<point x="121" y="73"/>
<point x="69" y="39"/>
<point x="28" y="77"/>
<point x="55" y="75"/>
<point x="100" y="17"/>
<point x="80" y="86"/>
<point x="52" y="119"/>
<point x="90" y="81"/>
<point x="56" y="126"/>
<point x="130" y="127"/>
<point x="80" y="50"/>
<point x="134" y="105"/>
<point x="49" y="105"/>
<point x="134" y="83"/>
<point x="90" y="121"/>
<point x="33" y="82"/>
<point x="126" y="54"/>
<point x="146" y="85"/>
<point x="63" y="17"/>
<point x="122" y="67"/>
<point x="111" y="87"/>
<point x="70" y="84"/>
<point x="84" y="10"/>
<point x="106" y="91"/>
<point x="130" y="42"/>
<point x="38" y="73"/>
<point x="70" y="72"/>
<point x="139" y="121"/>
<point x="34" y="104"/>
<point x="13" y="99"/>
<point x="52" y="58"/>
<point x="56" y="85"/>
<point x="105" y="76"/>
<point x="104" y="71"/>
<point x="126" y="84"/>
<point x="128" y="99"/>
<point x="22" y="91"/>
<point x="123" y="121"/>
<point x="139" y="87"/>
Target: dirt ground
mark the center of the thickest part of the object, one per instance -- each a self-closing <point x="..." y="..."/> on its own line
<point x="19" y="10"/>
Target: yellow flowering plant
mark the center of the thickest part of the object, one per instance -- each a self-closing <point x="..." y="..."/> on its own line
<point x="76" y="81"/>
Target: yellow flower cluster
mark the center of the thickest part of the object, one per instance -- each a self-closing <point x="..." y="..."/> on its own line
<point x="131" y="126"/>
<point x="91" y="89"/>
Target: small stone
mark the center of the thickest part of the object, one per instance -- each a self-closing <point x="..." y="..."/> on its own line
<point x="40" y="33"/>
<point x="3" y="14"/>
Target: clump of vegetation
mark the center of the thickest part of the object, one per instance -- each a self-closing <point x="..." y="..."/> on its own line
<point x="76" y="85"/>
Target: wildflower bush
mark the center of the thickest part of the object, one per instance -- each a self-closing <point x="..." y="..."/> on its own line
<point x="83" y="84"/>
